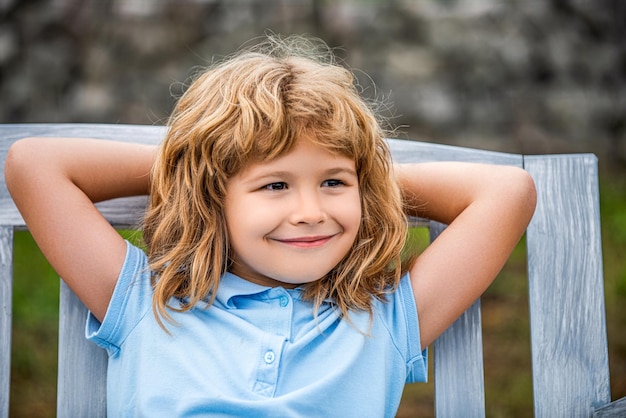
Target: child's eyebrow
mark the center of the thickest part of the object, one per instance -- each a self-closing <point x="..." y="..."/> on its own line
<point x="340" y="170"/>
<point x="268" y="175"/>
<point x="288" y="174"/>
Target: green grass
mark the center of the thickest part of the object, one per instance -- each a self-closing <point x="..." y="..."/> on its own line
<point x="613" y="218"/>
<point x="35" y="328"/>
<point x="508" y="382"/>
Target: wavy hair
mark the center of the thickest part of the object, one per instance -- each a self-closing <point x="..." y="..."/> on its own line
<point x="253" y="106"/>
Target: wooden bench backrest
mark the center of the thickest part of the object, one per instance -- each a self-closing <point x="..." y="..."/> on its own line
<point x="566" y="291"/>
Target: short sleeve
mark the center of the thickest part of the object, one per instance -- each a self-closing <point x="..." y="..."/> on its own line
<point x="418" y="358"/>
<point x="131" y="300"/>
<point x="399" y="314"/>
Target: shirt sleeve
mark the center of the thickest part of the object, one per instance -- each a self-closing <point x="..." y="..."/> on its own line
<point x="400" y="316"/>
<point x="130" y="302"/>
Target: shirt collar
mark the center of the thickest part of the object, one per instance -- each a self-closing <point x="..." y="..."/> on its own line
<point x="232" y="285"/>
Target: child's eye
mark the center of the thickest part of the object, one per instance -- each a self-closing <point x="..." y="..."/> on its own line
<point x="332" y="183"/>
<point x="279" y="185"/>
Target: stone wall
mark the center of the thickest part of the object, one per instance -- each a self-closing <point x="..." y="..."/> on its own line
<point x="532" y="76"/>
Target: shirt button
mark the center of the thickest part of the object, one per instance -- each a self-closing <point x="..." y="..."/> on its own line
<point x="284" y="301"/>
<point x="269" y="357"/>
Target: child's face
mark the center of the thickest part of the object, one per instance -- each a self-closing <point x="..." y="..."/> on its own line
<point x="292" y="219"/>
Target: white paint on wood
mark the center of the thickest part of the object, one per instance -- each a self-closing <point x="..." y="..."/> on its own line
<point x="570" y="361"/>
<point x="6" y="295"/>
<point x="458" y="362"/>
<point x="459" y="373"/>
<point x="616" y="409"/>
<point x="406" y="151"/>
<point x="568" y="331"/>
<point x="81" y="389"/>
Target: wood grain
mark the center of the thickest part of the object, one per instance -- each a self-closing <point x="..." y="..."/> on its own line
<point x="81" y="385"/>
<point x="458" y="362"/>
<point x="6" y="297"/>
<point x="568" y="330"/>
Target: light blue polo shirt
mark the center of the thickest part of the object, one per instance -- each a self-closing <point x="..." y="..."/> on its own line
<point x="256" y="352"/>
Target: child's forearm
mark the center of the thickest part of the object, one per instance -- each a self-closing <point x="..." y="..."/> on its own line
<point x="442" y="191"/>
<point x="101" y="169"/>
<point x="54" y="182"/>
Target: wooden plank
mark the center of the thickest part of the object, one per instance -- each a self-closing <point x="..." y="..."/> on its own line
<point x="568" y="329"/>
<point x="6" y="294"/>
<point x="616" y="409"/>
<point x="458" y="362"/>
<point x="459" y="372"/>
<point x="407" y="151"/>
<point x="143" y="134"/>
<point x="561" y="340"/>
<point x="81" y="389"/>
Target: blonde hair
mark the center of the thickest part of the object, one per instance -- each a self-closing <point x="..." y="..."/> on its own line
<point x="254" y="106"/>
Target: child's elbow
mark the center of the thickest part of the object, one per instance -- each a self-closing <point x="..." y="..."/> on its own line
<point x="13" y="162"/>
<point x="20" y="157"/>
<point x="526" y="192"/>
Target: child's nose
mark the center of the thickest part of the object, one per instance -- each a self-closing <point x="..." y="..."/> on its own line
<point x="308" y="209"/>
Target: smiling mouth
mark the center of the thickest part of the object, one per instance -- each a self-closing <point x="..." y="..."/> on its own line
<point x="306" y="242"/>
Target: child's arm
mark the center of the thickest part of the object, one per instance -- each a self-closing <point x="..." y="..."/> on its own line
<point x="54" y="182"/>
<point x="487" y="208"/>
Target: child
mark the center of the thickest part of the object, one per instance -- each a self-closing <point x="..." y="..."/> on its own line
<point x="273" y="283"/>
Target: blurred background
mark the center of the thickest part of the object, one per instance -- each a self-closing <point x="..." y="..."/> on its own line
<point x="533" y="76"/>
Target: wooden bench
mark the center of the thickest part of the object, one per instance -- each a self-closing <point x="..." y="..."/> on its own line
<point x="566" y="292"/>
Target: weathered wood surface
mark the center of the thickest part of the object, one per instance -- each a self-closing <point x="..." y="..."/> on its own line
<point x="570" y="363"/>
<point x="406" y="151"/>
<point x="459" y="383"/>
<point x="6" y="295"/>
<point x="82" y="364"/>
<point x="566" y="291"/>
<point x="613" y="410"/>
